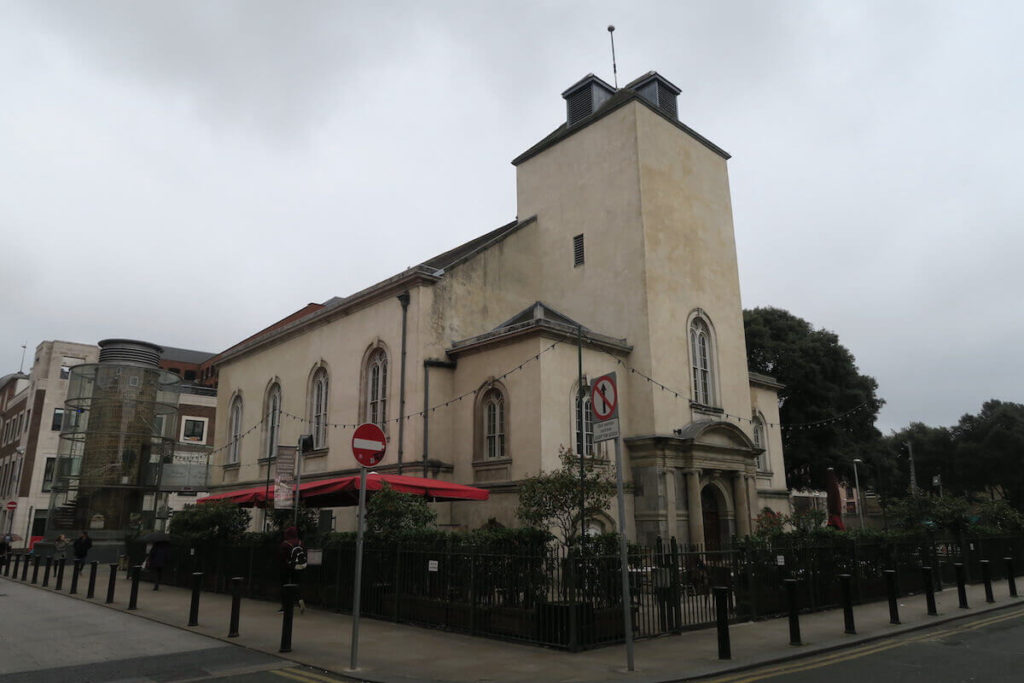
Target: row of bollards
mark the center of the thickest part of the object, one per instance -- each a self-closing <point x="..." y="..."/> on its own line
<point x="721" y="594"/>
<point x="55" y="567"/>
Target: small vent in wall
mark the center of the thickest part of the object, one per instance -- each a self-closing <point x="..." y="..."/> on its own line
<point x="577" y="250"/>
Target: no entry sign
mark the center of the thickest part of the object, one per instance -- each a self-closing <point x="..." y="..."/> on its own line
<point x="369" y="444"/>
<point x="12" y="504"/>
<point x="604" y="398"/>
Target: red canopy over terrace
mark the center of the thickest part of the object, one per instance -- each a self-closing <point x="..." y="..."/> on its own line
<point x="344" y="491"/>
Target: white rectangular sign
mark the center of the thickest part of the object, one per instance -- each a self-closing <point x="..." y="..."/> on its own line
<point x="607" y="430"/>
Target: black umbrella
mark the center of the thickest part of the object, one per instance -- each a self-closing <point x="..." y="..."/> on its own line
<point x="155" y="537"/>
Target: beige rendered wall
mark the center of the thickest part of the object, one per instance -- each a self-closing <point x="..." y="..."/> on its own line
<point x="765" y="401"/>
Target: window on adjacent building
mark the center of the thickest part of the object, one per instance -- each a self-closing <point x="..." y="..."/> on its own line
<point x="48" y="473"/>
<point x="58" y="419"/>
<point x="493" y="409"/>
<point x="236" y="430"/>
<point x="318" y="408"/>
<point x="193" y="429"/>
<point x="701" y="361"/>
<point x="584" y="424"/>
<point x="577" y="250"/>
<point x="272" y="420"/>
<point x="377" y="387"/>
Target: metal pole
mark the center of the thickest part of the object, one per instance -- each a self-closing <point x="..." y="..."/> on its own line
<point x="76" y="569"/>
<point x="986" y="577"/>
<point x="111" y="582"/>
<point x="890" y="585"/>
<point x="133" y="596"/>
<point x="794" y="615"/>
<point x="46" y="572"/>
<point x="961" y="589"/>
<point x="60" y="574"/>
<point x="581" y="432"/>
<point x="236" y="606"/>
<point x="193" y="608"/>
<point x="403" y="299"/>
<point x="357" y="587"/>
<point x="860" y="498"/>
<point x="298" y="482"/>
<point x="290" y="590"/>
<point x="627" y="604"/>
<point x="1011" y="583"/>
<point x="722" y="620"/>
<point x="91" y="592"/>
<point x="848" y="623"/>
<point x="35" y="569"/>
<point x="929" y="592"/>
<point x="913" y="470"/>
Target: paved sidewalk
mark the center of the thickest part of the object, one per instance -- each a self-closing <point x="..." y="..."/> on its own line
<point x="391" y="652"/>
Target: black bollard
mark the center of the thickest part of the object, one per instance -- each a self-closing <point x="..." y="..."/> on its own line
<point x="133" y="597"/>
<point x="986" y="577"/>
<point x="24" y="569"/>
<point x="844" y="582"/>
<point x="1009" y="577"/>
<point x="46" y="572"/>
<point x="290" y="591"/>
<point x="111" y="582"/>
<point x="92" y="580"/>
<point x="193" y="609"/>
<point x="794" y="618"/>
<point x="76" y="569"/>
<point x="929" y="591"/>
<point x="722" y="619"/>
<point x="236" y="606"/>
<point x="35" y="569"/>
<point x="890" y="587"/>
<point x="961" y="589"/>
<point x="60" y="574"/>
<point x="17" y="561"/>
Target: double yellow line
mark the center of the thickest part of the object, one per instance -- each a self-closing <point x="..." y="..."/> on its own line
<point x="856" y="653"/>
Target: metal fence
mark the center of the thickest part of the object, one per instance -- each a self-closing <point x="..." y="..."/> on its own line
<point x="556" y="598"/>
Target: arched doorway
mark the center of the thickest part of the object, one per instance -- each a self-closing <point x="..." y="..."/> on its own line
<point x="713" y="508"/>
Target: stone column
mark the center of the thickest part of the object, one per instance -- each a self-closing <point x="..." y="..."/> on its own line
<point x="739" y="494"/>
<point x="693" y="507"/>
<point x="755" y="509"/>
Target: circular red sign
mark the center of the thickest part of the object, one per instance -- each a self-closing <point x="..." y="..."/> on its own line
<point x="369" y="444"/>
<point x="604" y="397"/>
<point x="12" y="504"/>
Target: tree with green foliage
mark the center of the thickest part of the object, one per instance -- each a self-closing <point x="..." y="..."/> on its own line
<point x="988" y="451"/>
<point x="552" y="499"/>
<point x="827" y="407"/>
<point x="217" y="522"/>
<point x="391" y="514"/>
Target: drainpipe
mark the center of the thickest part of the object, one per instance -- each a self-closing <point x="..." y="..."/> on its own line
<point x="403" y="299"/>
<point x="427" y="364"/>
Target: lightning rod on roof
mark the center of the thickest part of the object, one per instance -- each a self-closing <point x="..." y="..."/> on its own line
<point x="615" y="71"/>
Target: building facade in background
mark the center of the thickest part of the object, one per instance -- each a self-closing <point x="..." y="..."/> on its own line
<point x="622" y="259"/>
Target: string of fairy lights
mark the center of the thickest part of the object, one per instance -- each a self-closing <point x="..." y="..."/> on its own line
<point x="817" y="424"/>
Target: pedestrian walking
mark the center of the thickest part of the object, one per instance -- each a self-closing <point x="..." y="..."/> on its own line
<point x="61" y="546"/>
<point x="156" y="560"/>
<point x="81" y="547"/>
<point x="292" y="560"/>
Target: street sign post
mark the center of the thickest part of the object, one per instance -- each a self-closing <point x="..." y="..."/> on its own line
<point x="604" y="404"/>
<point x="368" y="446"/>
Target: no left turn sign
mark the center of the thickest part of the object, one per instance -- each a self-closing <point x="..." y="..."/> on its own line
<point x="604" y="398"/>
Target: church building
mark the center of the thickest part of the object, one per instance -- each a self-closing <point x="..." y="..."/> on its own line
<point x="622" y="259"/>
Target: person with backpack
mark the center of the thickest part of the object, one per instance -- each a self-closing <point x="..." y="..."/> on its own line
<point x="292" y="556"/>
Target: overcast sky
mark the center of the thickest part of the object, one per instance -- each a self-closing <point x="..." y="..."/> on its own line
<point x="189" y="172"/>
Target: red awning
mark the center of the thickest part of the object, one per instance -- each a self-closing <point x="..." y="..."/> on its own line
<point x="344" y="491"/>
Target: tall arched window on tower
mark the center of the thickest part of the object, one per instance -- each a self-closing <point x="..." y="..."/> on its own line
<point x="584" y="424"/>
<point x="377" y="388"/>
<point x="493" y="413"/>
<point x="318" y="408"/>
<point x="760" y="442"/>
<point x="702" y="360"/>
<point x="235" y="423"/>
<point x="272" y="420"/>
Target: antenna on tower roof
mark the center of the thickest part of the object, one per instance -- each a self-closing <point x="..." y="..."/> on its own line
<point x="615" y="71"/>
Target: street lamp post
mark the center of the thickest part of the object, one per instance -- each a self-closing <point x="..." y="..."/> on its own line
<point x="860" y="498"/>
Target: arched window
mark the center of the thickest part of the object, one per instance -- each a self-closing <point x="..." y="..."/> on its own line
<point x="701" y="360"/>
<point x="318" y="408"/>
<point x="493" y="414"/>
<point x="376" y="409"/>
<point x="235" y="424"/>
<point x="272" y="420"/>
<point x="760" y="442"/>
<point x="584" y="424"/>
